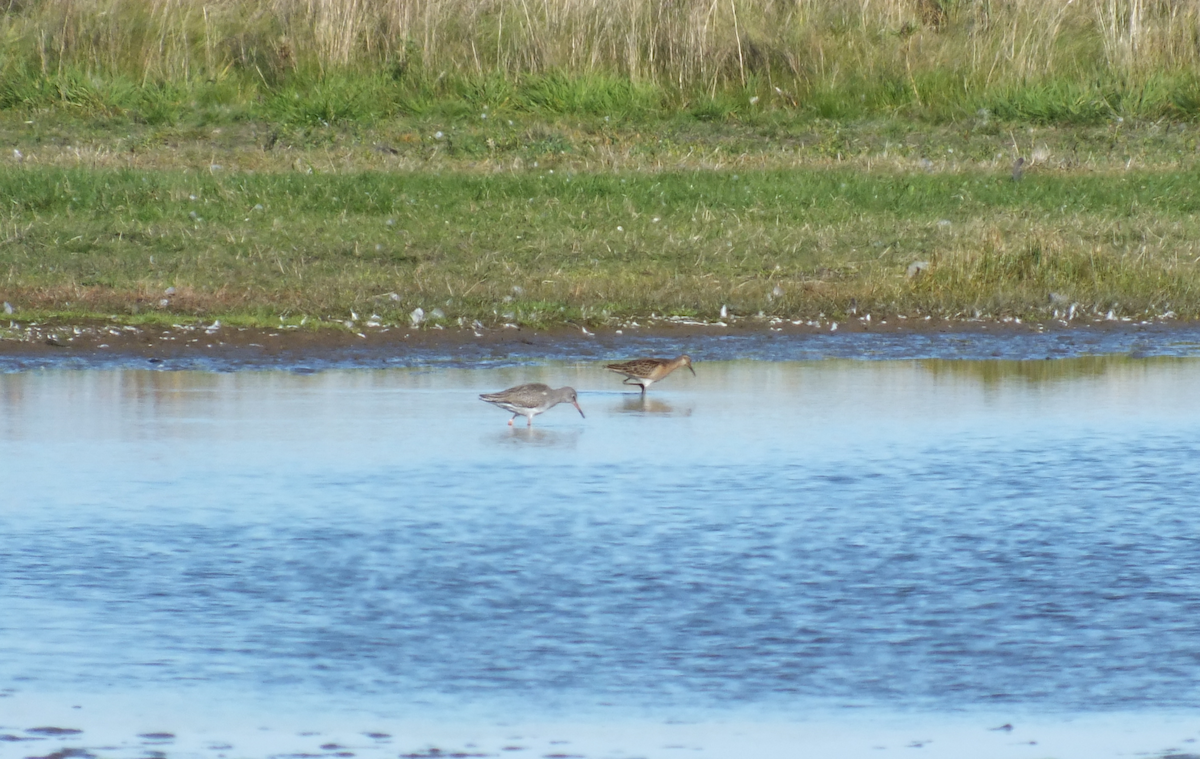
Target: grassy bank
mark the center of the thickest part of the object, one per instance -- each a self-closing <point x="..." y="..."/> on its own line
<point x="575" y="161"/>
<point x="322" y="61"/>
<point x="591" y="224"/>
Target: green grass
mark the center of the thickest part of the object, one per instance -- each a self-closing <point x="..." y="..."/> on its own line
<point x="570" y="161"/>
<point x="317" y="63"/>
<point x="546" y="232"/>
<point x="373" y="97"/>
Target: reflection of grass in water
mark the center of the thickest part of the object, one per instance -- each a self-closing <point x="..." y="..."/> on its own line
<point x="1057" y="370"/>
<point x="543" y="249"/>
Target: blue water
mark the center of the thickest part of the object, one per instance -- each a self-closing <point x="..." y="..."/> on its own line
<point x="941" y="535"/>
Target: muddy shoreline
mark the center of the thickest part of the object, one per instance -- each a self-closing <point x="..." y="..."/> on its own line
<point x="215" y="347"/>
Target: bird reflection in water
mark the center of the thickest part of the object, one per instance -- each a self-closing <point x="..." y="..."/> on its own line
<point x="644" y="404"/>
<point x="537" y="437"/>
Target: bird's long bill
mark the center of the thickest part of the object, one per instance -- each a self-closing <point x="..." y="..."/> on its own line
<point x="690" y="369"/>
<point x="576" y="405"/>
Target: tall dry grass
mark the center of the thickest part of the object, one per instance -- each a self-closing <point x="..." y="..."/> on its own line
<point x="786" y="49"/>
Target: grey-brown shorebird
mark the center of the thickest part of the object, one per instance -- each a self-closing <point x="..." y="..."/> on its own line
<point x="647" y="371"/>
<point x="531" y="400"/>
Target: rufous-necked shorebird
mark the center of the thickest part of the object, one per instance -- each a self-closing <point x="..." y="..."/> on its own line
<point x="531" y="400"/>
<point x="647" y="371"/>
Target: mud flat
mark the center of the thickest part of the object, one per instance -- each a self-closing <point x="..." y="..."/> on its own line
<point x="124" y="727"/>
<point x="218" y="347"/>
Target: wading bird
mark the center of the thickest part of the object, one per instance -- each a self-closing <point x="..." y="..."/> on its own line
<point x="531" y="400"/>
<point x="647" y="371"/>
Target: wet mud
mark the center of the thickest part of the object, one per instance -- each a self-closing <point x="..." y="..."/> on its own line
<point x="768" y="739"/>
<point x="222" y="348"/>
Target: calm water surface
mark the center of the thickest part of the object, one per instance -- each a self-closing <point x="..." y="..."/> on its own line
<point x="766" y="537"/>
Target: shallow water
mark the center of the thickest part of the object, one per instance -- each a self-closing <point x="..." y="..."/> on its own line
<point x="766" y="539"/>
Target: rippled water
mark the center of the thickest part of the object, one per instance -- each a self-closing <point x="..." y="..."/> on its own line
<point x="768" y="538"/>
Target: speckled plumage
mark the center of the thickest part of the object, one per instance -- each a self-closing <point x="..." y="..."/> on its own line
<point x="531" y="399"/>
<point x="647" y="371"/>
